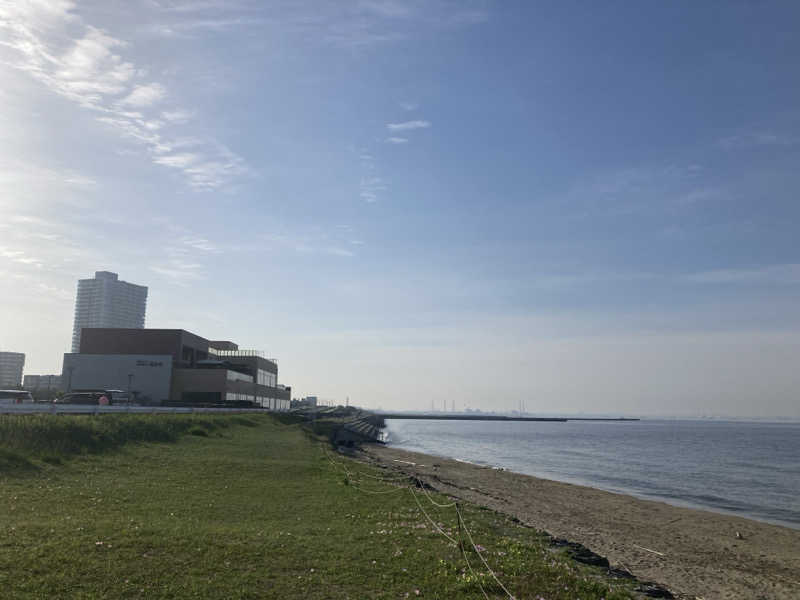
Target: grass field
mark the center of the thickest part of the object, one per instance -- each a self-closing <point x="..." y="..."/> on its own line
<point x="247" y="507"/>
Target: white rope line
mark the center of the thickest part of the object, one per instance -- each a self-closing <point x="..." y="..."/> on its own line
<point x="471" y="570"/>
<point x="432" y="501"/>
<point x="462" y="523"/>
<point x="350" y="479"/>
<point x="379" y="478"/>
<point x="376" y="477"/>
<point x="439" y="529"/>
<point x="366" y="491"/>
<point x="469" y="535"/>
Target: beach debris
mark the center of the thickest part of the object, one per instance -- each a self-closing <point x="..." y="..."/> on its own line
<point x="648" y="550"/>
<point x="739" y="536"/>
<point x="653" y="590"/>
<point x="620" y="573"/>
<point x="580" y="553"/>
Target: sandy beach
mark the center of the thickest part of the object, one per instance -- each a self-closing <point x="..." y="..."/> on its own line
<point x="694" y="553"/>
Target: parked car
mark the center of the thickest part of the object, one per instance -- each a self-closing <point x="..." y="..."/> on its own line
<point x="91" y="397"/>
<point x="15" y="397"/>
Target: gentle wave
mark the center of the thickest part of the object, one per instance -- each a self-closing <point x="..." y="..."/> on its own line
<point x="746" y="469"/>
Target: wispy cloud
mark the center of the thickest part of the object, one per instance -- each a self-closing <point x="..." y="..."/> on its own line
<point x="88" y="68"/>
<point x="758" y="139"/>
<point x="786" y="274"/>
<point x="144" y="95"/>
<point x="396" y="140"/>
<point x="179" y="271"/>
<point x="314" y="241"/>
<point x="408" y="125"/>
<point x="199" y="243"/>
<point x="177" y="116"/>
<point x="350" y="25"/>
<point x="370" y="187"/>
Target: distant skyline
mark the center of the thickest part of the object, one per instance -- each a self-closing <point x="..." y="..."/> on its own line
<point x="591" y="208"/>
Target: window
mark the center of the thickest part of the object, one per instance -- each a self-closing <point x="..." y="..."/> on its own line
<point x="267" y="378"/>
<point x="236" y="376"/>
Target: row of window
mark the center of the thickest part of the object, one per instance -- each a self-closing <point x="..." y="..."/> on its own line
<point x="267" y="378"/>
<point x="272" y="403"/>
<point x="263" y="401"/>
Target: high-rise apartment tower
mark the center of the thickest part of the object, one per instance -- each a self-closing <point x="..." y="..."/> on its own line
<point x="11" y="365"/>
<point x="107" y="302"/>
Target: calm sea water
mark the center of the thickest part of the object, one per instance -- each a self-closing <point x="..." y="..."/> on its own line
<point x="748" y="469"/>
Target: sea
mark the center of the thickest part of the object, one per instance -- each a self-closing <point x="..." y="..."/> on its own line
<point x="749" y="469"/>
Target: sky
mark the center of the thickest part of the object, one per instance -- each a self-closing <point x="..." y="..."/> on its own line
<point x="591" y="209"/>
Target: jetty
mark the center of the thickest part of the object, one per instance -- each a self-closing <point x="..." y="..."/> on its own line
<point x="466" y="417"/>
<point x="350" y="425"/>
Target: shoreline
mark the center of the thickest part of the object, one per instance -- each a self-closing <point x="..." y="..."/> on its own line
<point x="691" y="551"/>
<point x="675" y="502"/>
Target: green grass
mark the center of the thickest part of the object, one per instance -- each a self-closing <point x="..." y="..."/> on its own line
<point x="51" y="438"/>
<point x="253" y="509"/>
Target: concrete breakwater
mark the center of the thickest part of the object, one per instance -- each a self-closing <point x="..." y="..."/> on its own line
<point x="350" y="425"/>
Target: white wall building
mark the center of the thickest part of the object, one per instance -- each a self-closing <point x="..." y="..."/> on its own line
<point x="107" y="302"/>
<point x="11" y="365"/>
<point x="41" y="382"/>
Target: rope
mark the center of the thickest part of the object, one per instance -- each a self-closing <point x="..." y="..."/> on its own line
<point x="432" y="501"/>
<point x="376" y="477"/>
<point x="439" y="529"/>
<point x="460" y="518"/>
<point x="466" y="560"/>
<point x="469" y="536"/>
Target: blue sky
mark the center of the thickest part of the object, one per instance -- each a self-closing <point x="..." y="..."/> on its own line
<point x="589" y="208"/>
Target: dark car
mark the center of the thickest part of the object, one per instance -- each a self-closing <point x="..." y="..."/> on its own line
<point x="91" y="397"/>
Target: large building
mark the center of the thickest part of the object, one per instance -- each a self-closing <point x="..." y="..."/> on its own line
<point x="11" y="365"/>
<point x="107" y="302"/>
<point x="173" y="367"/>
<point x="41" y="382"/>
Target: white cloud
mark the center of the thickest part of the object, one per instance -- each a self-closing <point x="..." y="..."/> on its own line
<point x="761" y="138"/>
<point x="177" y="161"/>
<point x="336" y="251"/>
<point x="39" y="38"/>
<point x="145" y="95"/>
<point x="788" y="274"/>
<point x="408" y="125"/>
<point x="199" y="244"/>
<point x="370" y="187"/>
<point x="396" y="140"/>
<point x="178" y="271"/>
<point x="177" y="116"/>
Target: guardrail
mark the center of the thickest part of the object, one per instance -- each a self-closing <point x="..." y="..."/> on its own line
<point x="84" y="409"/>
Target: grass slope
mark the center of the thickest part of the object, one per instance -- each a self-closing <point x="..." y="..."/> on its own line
<point x="250" y="512"/>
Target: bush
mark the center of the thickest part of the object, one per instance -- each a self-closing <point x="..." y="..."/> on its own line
<point x="51" y="437"/>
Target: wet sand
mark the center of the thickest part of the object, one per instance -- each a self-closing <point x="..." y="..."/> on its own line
<point x="694" y="553"/>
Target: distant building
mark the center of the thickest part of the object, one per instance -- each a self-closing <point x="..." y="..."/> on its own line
<point x="308" y="401"/>
<point x="42" y="382"/>
<point x="107" y="302"/>
<point x="11" y="366"/>
<point x="174" y="367"/>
